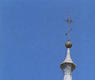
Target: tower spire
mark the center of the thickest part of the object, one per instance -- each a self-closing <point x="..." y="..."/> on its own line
<point x="68" y="65"/>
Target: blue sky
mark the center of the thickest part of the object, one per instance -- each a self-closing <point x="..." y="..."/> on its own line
<point x="32" y="37"/>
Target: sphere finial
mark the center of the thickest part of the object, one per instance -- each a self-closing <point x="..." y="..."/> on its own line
<point x="68" y="44"/>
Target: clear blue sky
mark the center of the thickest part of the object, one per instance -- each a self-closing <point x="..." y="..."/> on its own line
<point x="32" y="37"/>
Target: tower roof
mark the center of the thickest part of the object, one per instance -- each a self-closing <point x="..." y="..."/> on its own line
<point x="68" y="57"/>
<point x="67" y="61"/>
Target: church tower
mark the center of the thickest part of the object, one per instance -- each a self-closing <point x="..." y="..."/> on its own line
<point x="68" y="65"/>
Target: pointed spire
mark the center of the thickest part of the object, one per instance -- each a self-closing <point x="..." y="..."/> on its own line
<point x="68" y="57"/>
<point x="68" y="61"/>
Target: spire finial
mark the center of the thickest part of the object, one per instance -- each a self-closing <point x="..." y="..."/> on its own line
<point x="69" y="21"/>
<point x="68" y="44"/>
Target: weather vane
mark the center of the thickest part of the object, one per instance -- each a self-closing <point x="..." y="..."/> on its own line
<point x="69" y="21"/>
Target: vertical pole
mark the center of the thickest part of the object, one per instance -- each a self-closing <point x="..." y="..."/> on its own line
<point x="68" y="30"/>
<point x="69" y="22"/>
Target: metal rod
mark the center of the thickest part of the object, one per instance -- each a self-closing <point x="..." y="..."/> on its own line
<point x="69" y="22"/>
